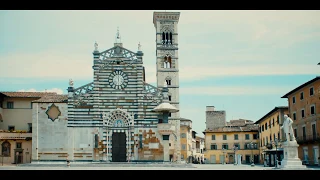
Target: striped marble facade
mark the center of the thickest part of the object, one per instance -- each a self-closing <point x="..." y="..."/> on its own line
<point x="90" y="106"/>
<point x="101" y="108"/>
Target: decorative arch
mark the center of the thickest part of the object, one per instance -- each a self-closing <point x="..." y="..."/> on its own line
<point x="167" y="53"/>
<point x="6" y="149"/>
<point x="167" y="62"/>
<point x="167" y="30"/>
<point x="118" y="118"/>
<point x="168" y="80"/>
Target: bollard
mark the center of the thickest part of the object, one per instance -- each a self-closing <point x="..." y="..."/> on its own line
<point x="68" y="163"/>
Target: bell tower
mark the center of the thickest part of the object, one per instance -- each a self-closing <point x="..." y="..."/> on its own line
<point x="167" y="64"/>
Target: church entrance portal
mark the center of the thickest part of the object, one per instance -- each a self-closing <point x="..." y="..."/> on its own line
<point x="119" y="150"/>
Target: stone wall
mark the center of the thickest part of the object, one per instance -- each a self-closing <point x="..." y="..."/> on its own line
<point x="215" y="119"/>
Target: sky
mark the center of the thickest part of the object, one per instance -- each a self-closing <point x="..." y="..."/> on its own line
<point x="239" y="61"/>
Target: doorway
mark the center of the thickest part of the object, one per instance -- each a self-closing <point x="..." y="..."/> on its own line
<point x="119" y="150"/>
<point x="18" y="158"/>
<point x="231" y="159"/>
<point x="213" y="159"/>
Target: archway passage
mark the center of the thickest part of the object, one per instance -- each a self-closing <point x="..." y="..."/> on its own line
<point x="231" y="159"/>
<point x="119" y="150"/>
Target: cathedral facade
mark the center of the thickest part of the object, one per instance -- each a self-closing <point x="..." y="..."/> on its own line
<point x="119" y="116"/>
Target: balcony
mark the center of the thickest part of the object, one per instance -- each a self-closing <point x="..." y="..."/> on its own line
<point x="165" y="128"/>
<point x="15" y="135"/>
<point x="308" y="139"/>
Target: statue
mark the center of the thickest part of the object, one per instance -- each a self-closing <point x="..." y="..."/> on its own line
<point x="95" y="46"/>
<point x="70" y="83"/>
<point x="287" y="128"/>
<point x="139" y="47"/>
<point x="165" y="84"/>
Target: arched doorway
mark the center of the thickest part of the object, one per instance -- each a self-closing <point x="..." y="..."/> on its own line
<point x="231" y="159"/>
<point x="118" y="131"/>
<point x="119" y="150"/>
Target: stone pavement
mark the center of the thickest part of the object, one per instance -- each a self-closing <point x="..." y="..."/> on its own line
<point x="133" y="166"/>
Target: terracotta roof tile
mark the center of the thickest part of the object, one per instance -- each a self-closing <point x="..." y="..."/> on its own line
<point x="246" y="128"/>
<point x="26" y="94"/>
<point x="53" y="98"/>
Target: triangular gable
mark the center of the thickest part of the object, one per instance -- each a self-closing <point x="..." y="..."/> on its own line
<point x="119" y="52"/>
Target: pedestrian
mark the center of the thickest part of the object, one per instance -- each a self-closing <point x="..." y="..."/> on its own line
<point x="129" y="157"/>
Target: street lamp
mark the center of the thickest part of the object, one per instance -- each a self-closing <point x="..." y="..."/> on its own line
<point x="224" y="155"/>
<point x="276" y="144"/>
<point x="235" y="148"/>
<point x="252" y="160"/>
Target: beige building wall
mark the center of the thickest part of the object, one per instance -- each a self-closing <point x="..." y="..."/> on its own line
<point x="307" y="127"/>
<point x="269" y="129"/>
<point x="19" y="116"/>
<point x="185" y="138"/>
<point x="19" y="120"/>
<point x="25" y="155"/>
<point x="214" y="142"/>
<point x="199" y="148"/>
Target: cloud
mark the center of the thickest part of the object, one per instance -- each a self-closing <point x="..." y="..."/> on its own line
<point x="260" y="32"/>
<point x="47" y="64"/>
<point x="247" y="17"/>
<point x="273" y="27"/>
<point x="57" y="90"/>
<point x="68" y="52"/>
<point x="192" y="73"/>
<point x="59" y="65"/>
<point x="233" y="90"/>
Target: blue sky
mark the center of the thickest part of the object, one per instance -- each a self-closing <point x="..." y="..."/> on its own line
<point x="238" y="61"/>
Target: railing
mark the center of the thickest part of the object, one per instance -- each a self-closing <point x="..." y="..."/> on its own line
<point x="15" y="135"/>
<point x="308" y="139"/>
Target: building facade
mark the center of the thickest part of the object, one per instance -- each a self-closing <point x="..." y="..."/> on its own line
<point x="16" y="125"/>
<point x="117" y="117"/>
<point x="193" y="157"/>
<point x="186" y="139"/>
<point x="304" y="110"/>
<point x="237" y="141"/>
<point x="270" y="135"/>
<point x="200" y="145"/>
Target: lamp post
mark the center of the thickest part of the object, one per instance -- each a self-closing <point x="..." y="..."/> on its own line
<point x="224" y="155"/>
<point x="235" y="148"/>
<point x="276" y="144"/>
<point x="252" y="160"/>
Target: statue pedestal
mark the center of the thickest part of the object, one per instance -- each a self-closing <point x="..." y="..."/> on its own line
<point x="290" y="153"/>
